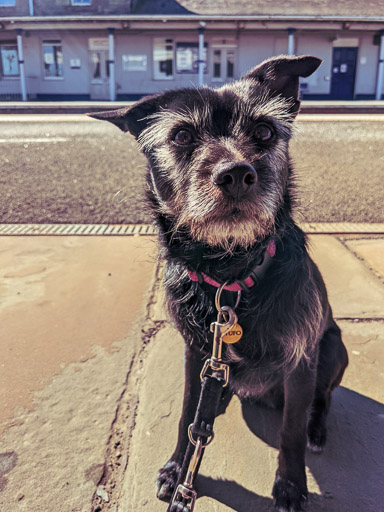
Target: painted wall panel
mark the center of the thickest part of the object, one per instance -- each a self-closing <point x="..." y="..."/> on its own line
<point x="367" y="61"/>
<point x="318" y="45"/>
<point x="254" y="48"/>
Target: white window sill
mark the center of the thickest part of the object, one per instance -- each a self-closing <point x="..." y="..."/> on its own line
<point x="53" y="78"/>
<point x="163" y="77"/>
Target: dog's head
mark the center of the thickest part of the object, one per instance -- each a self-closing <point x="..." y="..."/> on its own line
<point x="219" y="164"/>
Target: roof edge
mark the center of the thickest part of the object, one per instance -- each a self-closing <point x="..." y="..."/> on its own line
<point x="196" y="17"/>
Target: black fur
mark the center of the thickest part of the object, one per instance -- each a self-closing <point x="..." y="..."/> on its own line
<point x="291" y="353"/>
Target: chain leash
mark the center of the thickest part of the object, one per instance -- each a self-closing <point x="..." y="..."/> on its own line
<point x="185" y="494"/>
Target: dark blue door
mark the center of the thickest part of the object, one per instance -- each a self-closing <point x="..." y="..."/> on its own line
<point x="343" y="73"/>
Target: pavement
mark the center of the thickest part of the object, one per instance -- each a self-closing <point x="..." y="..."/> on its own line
<point x="79" y="107"/>
<point x="91" y="384"/>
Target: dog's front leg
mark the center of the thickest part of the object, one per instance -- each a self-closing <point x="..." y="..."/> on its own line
<point x="290" y="488"/>
<point x="169" y="474"/>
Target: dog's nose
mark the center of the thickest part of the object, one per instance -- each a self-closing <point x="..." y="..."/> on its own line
<point x="236" y="179"/>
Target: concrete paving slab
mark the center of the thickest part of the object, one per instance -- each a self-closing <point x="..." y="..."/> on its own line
<point x="354" y="291"/>
<point x="71" y="313"/>
<point x="371" y="251"/>
<point x="238" y="469"/>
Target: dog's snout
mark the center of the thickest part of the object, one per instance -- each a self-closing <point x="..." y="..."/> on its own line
<point x="236" y="179"/>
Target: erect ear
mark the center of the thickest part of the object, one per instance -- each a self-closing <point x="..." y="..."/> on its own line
<point x="135" y="118"/>
<point x="281" y="75"/>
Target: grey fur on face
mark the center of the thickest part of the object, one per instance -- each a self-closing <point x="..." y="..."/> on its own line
<point x="196" y="203"/>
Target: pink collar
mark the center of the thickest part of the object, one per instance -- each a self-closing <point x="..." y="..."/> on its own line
<point x="249" y="281"/>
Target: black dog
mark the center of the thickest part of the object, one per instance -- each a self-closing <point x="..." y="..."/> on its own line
<point x="221" y="186"/>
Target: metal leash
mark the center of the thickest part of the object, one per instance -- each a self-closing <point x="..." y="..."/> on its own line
<point x="185" y="495"/>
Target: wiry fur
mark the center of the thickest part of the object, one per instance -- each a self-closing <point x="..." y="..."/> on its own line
<point x="291" y="352"/>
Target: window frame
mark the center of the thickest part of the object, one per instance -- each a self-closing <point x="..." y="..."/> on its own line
<point x="10" y="77"/>
<point x="193" y="47"/>
<point x="52" y="42"/>
<point x="223" y="78"/>
<point x="166" y="42"/>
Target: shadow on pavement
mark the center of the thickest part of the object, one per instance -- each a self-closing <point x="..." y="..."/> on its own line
<point x="349" y="473"/>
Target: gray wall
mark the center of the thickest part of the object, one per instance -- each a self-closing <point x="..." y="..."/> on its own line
<point x="252" y="48"/>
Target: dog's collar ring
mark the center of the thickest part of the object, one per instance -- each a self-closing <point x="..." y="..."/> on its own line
<point x="218" y="296"/>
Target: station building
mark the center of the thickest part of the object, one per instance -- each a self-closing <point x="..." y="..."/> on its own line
<point x="125" y="49"/>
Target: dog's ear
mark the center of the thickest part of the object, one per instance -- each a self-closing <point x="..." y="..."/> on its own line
<point x="281" y="75"/>
<point x="134" y="118"/>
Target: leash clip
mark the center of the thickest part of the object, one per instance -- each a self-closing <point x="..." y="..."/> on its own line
<point x="219" y="371"/>
<point x="185" y="496"/>
<point x="185" y="493"/>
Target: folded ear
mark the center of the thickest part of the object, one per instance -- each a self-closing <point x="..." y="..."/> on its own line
<point x="281" y="75"/>
<point x="135" y="118"/>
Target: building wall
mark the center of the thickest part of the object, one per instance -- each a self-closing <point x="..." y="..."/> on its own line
<point x="252" y="48"/>
<point x="74" y="81"/>
<point x="367" y="61"/>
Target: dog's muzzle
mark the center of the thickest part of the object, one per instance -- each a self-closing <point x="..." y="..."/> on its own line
<point x="235" y="179"/>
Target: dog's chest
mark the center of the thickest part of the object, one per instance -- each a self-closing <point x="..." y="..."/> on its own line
<point x="254" y="368"/>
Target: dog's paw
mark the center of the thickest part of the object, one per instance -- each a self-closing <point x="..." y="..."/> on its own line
<point x="317" y="437"/>
<point x="167" y="479"/>
<point x="288" y="496"/>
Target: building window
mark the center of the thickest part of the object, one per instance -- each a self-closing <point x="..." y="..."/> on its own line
<point x="223" y="63"/>
<point x="53" y="59"/>
<point x="9" y="65"/>
<point x="7" y="3"/>
<point x="163" y="59"/>
<point x="81" y="2"/>
<point x="187" y="57"/>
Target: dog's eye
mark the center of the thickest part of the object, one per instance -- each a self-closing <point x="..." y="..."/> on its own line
<point x="263" y="132"/>
<point x="183" y="137"/>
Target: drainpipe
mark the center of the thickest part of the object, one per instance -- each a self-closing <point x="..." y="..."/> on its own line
<point x="112" y="85"/>
<point x="21" y="64"/>
<point x="31" y="9"/>
<point x="291" y="41"/>
<point x="380" y="69"/>
<point x="201" y="54"/>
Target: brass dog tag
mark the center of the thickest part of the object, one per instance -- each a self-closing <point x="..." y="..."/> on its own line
<point x="234" y="335"/>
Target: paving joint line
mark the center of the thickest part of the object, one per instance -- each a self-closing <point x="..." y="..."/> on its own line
<point x="118" y="446"/>
<point x="366" y="264"/>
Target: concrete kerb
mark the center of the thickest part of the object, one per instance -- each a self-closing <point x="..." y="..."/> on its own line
<point x="238" y="470"/>
<point x="71" y="107"/>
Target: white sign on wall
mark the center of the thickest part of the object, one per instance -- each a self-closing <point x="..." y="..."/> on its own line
<point x="75" y="63"/>
<point x="48" y="58"/>
<point x="98" y="43"/>
<point x="134" y="62"/>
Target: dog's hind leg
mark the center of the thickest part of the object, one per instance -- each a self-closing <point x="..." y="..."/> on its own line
<point x="333" y="359"/>
<point x="169" y="474"/>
